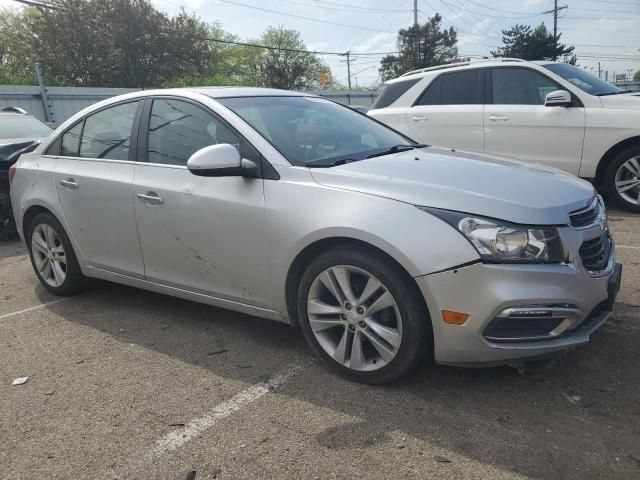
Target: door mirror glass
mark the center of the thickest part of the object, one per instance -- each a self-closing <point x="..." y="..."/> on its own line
<point x="558" y="98"/>
<point x="220" y="160"/>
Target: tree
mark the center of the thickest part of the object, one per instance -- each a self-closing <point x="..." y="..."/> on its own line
<point x="110" y="43"/>
<point x="522" y="41"/>
<point x="286" y="64"/>
<point x="636" y="76"/>
<point x="421" y="46"/>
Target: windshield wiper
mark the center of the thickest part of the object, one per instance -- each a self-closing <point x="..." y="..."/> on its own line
<point x="613" y="93"/>
<point x="341" y="161"/>
<point x="397" y="149"/>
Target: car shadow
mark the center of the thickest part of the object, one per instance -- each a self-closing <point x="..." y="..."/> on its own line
<point x="576" y="417"/>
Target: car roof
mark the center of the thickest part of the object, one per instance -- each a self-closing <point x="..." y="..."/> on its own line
<point x="227" y="92"/>
<point x="424" y="72"/>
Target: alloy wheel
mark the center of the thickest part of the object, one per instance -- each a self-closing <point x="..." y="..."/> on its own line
<point x="354" y="318"/>
<point x="627" y="180"/>
<point x="48" y="255"/>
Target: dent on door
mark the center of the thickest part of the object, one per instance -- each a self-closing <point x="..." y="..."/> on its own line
<point x="204" y="234"/>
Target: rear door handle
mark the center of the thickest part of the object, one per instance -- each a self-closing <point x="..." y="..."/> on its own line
<point x="151" y="198"/>
<point x="419" y="118"/>
<point x="497" y="118"/>
<point x="69" y="183"/>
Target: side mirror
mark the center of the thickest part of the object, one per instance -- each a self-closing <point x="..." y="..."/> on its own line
<point x="558" y="98"/>
<point x="220" y="160"/>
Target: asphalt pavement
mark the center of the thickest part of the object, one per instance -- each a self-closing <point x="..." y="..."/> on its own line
<point x="125" y="383"/>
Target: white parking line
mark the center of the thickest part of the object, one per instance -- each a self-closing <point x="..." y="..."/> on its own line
<point x="177" y="438"/>
<point x="627" y="246"/>
<point x="30" y="309"/>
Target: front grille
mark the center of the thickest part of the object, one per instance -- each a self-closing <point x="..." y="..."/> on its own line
<point x="586" y="216"/>
<point x="595" y="253"/>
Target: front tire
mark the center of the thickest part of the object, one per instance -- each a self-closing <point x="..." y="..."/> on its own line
<point x="363" y="315"/>
<point x="52" y="256"/>
<point x="622" y="179"/>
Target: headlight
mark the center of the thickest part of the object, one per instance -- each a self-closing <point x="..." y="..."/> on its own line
<point x="498" y="241"/>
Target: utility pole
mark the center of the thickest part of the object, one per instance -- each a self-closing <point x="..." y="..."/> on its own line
<point x="555" y="11"/>
<point x="415" y="12"/>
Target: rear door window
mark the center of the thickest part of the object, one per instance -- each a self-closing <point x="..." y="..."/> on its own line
<point x="107" y="133"/>
<point x="71" y="141"/>
<point x="456" y="88"/>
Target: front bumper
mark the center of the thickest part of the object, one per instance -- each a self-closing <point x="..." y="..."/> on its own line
<point x="484" y="291"/>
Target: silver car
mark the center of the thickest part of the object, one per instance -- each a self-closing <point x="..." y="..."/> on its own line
<point x="294" y="208"/>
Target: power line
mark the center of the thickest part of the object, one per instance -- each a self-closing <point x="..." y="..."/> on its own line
<point x="340" y="9"/>
<point x="304" y="18"/>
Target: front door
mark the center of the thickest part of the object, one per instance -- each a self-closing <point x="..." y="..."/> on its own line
<point x="203" y="234"/>
<point x="93" y="178"/>
<point x="517" y="124"/>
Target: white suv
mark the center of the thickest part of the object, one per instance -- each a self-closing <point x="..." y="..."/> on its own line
<point x="546" y="112"/>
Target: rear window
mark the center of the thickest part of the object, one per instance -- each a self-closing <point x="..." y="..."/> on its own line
<point x="393" y="91"/>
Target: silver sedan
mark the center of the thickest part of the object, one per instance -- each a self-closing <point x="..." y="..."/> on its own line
<point x="291" y="207"/>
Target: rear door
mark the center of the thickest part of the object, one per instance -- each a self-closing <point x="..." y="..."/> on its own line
<point x="519" y="125"/>
<point x="93" y="178"/>
<point x="203" y="234"/>
<point x="449" y="111"/>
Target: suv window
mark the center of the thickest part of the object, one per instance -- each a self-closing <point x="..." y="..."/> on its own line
<point x="393" y="91"/>
<point x="520" y="86"/>
<point x="455" y="88"/>
<point x="177" y="129"/>
<point x="107" y="134"/>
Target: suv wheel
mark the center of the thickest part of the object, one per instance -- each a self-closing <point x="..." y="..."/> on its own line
<point x="622" y="179"/>
<point x="52" y="256"/>
<point x="363" y="315"/>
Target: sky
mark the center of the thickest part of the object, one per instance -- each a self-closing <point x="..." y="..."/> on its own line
<point x="602" y="30"/>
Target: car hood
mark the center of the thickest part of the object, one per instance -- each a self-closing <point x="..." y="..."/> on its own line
<point x="625" y="100"/>
<point x="484" y="185"/>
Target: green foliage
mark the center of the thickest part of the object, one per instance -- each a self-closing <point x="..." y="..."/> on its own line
<point x="522" y="41"/>
<point x="636" y="76"/>
<point x="421" y="46"/>
<point x="284" y="65"/>
<point x="128" y="43"/>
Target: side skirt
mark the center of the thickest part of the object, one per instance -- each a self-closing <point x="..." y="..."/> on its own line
<point x="184" y="294"/>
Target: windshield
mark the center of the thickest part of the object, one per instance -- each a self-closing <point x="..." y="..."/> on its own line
<point x="583" y="80"/>
<point x="22" y="126"/>
<point x="313" y="131"/>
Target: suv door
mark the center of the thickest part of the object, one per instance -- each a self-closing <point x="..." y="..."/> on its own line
<point x="449" y="111"/>
<point x="203" y="234"/>
<point x="517" y="124"/>
<point x="93" y="176"/>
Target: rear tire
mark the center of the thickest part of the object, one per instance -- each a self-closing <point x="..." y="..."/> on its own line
<point x="622" y="179"/>
<point x="52" y="256"/>
<point x="367" y="320"/>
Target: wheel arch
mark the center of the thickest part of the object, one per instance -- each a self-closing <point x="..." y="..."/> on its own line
<point x="611" y="154"/>
<point x="297" y="267"/>
<point x="31" y="213"/>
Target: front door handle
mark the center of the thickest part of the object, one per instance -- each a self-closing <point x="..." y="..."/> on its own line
<point x="69" y="183"/>
<point x="497" y="118"/>
<point x="151" y="198"/>
<point x="419" y="118"/>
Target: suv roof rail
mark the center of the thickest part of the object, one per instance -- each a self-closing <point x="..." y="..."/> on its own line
<point x="460" y="64"/>
<point x="14" y="110"/>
